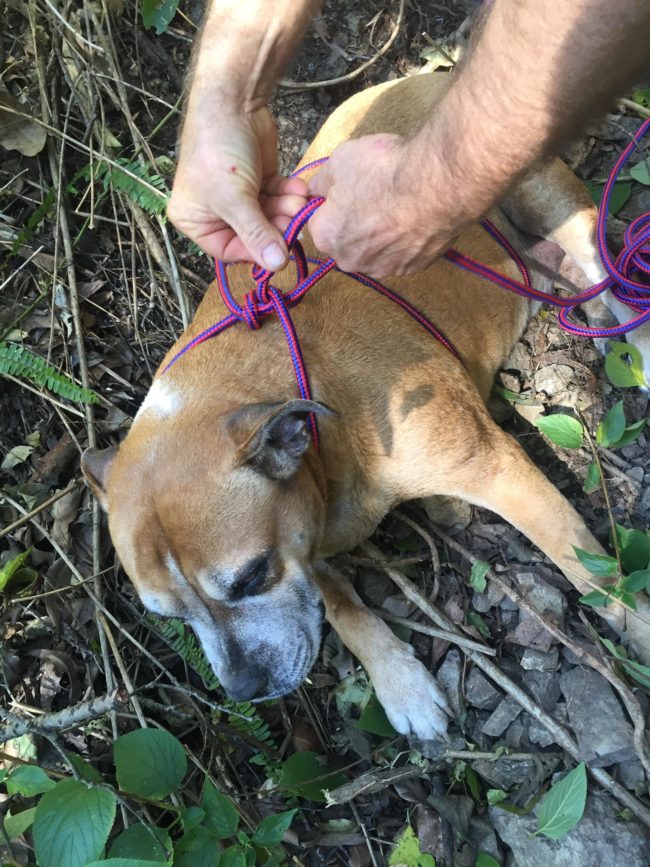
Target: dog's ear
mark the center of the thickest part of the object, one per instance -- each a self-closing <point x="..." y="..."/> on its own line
<point x="279" y="437"/>
<point x="95" y="465"/>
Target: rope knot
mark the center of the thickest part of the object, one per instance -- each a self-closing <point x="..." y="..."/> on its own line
<point x="251" y="311"/>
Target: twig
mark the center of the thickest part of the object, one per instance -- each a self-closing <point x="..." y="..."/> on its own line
<point x="25" y="518"/>
<point x="634" y="106"/>
<point x="61" y="720"/>
<point x="117" y="656"/>
<point x="27" y="309"/>
<point x="181" y="295"/>
<point x="435" y="559"/>
<point x="78" y="36"/>
<point x="362" y="825"/>
<point x="452" y="637"/>
<point x="350" y="76"/>
<point x="370" y="782"/>
<point x="561" y="736"/>
<point x="494" y="757"/>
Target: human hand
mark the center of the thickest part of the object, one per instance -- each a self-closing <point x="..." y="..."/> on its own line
<point x="377" y="218"/>
<point x="227" y="195"/>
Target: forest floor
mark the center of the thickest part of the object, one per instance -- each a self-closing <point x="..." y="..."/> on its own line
<point x="97" y="283"/>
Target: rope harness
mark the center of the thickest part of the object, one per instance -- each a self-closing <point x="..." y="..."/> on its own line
<point x="627" y="279"/>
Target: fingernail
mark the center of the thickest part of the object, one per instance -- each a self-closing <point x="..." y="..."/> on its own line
<point x="273" y="256"/>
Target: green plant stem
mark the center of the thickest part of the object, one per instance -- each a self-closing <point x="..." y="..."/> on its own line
<point x="165" y="119"/>
<point x="612" y="523"/>
<point x="22" y="316"/>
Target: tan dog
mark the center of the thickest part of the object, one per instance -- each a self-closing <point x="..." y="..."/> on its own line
<point x="218" y="505"/>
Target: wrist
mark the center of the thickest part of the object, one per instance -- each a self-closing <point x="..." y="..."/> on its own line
<point x="244" y="49"/>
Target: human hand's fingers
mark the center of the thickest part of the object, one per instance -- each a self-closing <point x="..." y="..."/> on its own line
<point x="369" y="222"/>
<point x="227" y="195"/>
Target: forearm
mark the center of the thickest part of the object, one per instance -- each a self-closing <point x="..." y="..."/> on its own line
<point x="244" y="48"/>
<point x="539" y="71"/>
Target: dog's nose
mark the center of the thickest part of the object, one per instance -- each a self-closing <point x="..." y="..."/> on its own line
<point x="246" y="684"/>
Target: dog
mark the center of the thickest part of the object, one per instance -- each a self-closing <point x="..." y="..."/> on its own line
<point x="222" y="511"/>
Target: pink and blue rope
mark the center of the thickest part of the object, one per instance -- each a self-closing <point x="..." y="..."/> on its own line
<point x="626" y="279"/>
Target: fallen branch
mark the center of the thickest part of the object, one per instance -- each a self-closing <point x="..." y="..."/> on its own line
<point x="60" y="720"/>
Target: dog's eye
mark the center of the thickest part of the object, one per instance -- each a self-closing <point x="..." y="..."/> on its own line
<point x="251" y="578"/>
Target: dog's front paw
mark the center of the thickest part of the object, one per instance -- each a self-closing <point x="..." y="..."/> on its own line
<point x="410" y="695"/>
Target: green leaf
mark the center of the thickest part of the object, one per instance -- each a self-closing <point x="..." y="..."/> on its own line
<point x="19" y="361"/>
<point x="598" y="564"/>
<point x="631" y="433"/>
<point x="473" y="783"/>
<point x="620" y="194"/>
<point x="624" y="365"/>
<point x="28" y="780"/>
<point x="524" y="397"/>
<point x="84" y="769"/>
<point x="563" y="430"/>
<point x="145" y="843"/>
<point x="271" y="830"/>
<point x="17" y="824"/>
<point x="640" y="673"/>
<point x="197" y="848"/>
<point x="373" y="719"/>
<point x="149" y="762"/>
<point x="17" y="455"/>
<point x="9" y="570"/>
<point x="596" y="599"/>
<point x="477" y="622"/>
<point x="158" y="14"/>
<point x="563" y="805"/>
<point x="221" y="816"/>
<point x="634" y="546"/>
<point x="641" y="172"/>
<point x="636" y="581"/>
<point x="299" y="775"/>
<point x="495" y="796"/>
<point x="592" y="480"/>
<point x="642" y="96"/>
<point x="407" y="852"/>
<point x="192" y="818"/>
<point x="119" y="862"/>
<point x="485" y="860"/>
<point x="612" y="426"/>
<point x="477" y="578"/>
<point x="233" y="856"/>
<point x="72" y="824"/>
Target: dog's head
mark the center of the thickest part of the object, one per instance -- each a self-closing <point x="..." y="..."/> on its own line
<point x="217" y="521"/>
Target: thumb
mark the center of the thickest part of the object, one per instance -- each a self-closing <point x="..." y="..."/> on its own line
<point x="264" y="244"/>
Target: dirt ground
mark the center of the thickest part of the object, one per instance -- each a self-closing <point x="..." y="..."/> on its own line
<point x="97" y="285"/>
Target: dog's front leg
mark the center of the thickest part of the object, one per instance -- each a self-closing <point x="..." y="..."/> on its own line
<point x="413" y="701"/>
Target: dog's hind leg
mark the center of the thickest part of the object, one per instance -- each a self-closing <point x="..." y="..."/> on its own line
<point x="501" y="477"/>
<point x="550" y="202"/>
<point x="413" y="701"/>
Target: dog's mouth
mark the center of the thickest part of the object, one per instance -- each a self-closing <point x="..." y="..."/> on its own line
<point x="304" y="659"/>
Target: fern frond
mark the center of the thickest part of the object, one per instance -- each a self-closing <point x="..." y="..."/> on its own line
<point x="146" y="188"/>
<point x="18" y="361"/>
<point x="186" y="646"/>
